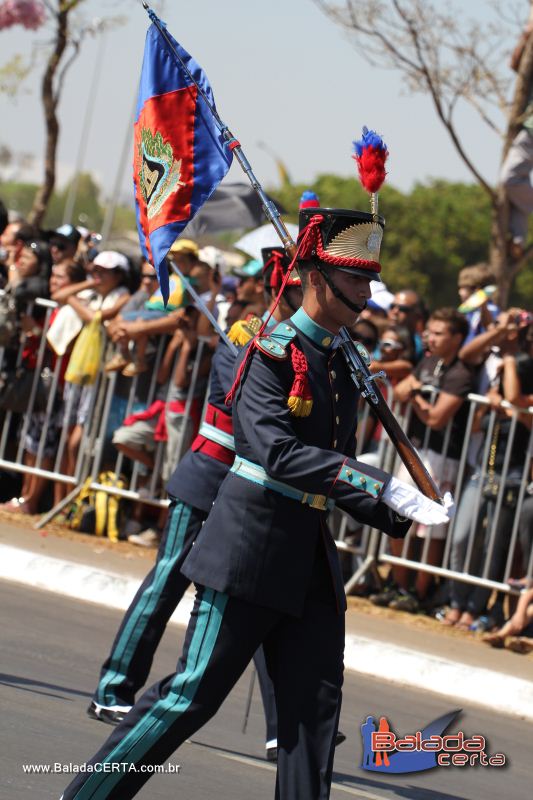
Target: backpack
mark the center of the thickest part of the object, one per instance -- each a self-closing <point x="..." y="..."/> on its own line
<point x="95" y="510"/>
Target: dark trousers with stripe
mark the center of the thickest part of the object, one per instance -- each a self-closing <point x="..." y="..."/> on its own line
<point x="128" y="665"/>
<point x="305" y="660"/>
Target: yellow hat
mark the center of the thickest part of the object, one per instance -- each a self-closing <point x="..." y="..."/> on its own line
<point x="184" y="246"/>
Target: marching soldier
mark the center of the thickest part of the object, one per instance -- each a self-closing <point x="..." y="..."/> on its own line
<point x="192" y="489"/>
<point x="264" y="563"/>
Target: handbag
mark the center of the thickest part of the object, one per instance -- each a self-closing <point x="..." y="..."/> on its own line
<point x="86" y="357"/>
<point x="15" y="391"/>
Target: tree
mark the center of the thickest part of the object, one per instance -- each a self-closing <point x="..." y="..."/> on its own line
<point x="65" y="47"/>
<point x="412" y="258"/>
<point x="52" y="83"/>
<point x="441" y="53"/>
<point x="88" y="210"/>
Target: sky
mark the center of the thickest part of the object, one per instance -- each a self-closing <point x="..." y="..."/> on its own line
<point x="282" y="74"/>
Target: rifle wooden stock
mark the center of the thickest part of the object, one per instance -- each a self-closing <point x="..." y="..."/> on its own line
<point x="358" y="359"/>
<point x="405" y="448"/>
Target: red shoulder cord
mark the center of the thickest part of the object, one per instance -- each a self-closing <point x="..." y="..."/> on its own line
<point x="300" y="399"/>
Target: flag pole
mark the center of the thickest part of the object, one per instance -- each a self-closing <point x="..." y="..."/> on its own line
<point x="358" y="365"/>
<point x="234" y="145"/>
<point x="203" y="308"/>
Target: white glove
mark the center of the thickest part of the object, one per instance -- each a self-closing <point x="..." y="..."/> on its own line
<point x="409" y="502"/>
<point x="449" y="505"/>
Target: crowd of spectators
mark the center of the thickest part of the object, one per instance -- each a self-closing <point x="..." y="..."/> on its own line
<point x="143" y="337"/>
<point x="433" y="362"/>
<point x="479" y="352"/>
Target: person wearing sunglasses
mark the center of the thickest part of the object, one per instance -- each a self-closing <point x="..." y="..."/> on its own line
<point x="407" y="309"/>
<point x="396" y="353"/>
<point x="365" y="332"/>
<point x="64" y="242"/>
<point x="393" y="353"/>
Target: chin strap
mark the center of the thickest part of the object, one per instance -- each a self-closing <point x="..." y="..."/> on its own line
<point x="336" y="291"/>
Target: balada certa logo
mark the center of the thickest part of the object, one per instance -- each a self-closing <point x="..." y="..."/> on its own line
<point x="386" y="751"/>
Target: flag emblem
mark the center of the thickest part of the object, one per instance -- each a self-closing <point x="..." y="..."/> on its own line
<point x="158" y="171"/>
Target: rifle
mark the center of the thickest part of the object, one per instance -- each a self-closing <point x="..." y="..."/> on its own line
<point x="358" y="362"/>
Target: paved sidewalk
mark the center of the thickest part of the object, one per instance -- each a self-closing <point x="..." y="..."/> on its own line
<point x="408" y="650"/>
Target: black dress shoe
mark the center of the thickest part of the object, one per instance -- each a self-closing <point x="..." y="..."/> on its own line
<point x="340" y="738"/>
<point x="92" y="711"/>
<point x="112" y="717"/>
<point x="272" y="754"/>
<point x="107" y="715"/>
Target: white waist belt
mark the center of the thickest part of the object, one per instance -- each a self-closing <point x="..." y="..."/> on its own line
<point x="216" y="435"/>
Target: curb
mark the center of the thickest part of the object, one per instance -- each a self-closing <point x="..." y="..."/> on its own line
<point x="407" y="667"/>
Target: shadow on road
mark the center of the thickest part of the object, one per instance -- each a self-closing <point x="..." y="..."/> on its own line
<point x="409" y="792"/>
<point x="30" y="685"/>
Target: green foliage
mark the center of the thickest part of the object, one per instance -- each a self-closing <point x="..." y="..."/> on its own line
<point x="18" y="196"/>
<point x="124" y="220"/>
<point x="87" y="209"/>
<point x="522" y="293"/>
<point x="432" y="231"/>
<point x="13" y="74"/>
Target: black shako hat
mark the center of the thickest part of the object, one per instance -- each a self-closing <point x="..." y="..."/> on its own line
<point x="342" y="239"/>
<point x="275" y="265"/>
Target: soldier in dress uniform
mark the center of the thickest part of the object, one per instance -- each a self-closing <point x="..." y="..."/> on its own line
<point x="192" y="489"/>
<point x="264" y="563"/>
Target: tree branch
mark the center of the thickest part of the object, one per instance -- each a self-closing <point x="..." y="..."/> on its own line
<point x="60" y="81"/>
<point x="438" y="103"/>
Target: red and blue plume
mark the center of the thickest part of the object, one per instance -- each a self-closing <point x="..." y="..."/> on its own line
<point x="309" y="199"/>
<point x="370" y="154"/>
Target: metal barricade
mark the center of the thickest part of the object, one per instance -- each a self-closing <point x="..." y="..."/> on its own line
<point x="354" y="542"/>
<point x="494" y="527"/>
<point x="95" y="436"/>
<point x="363" y="548"/>
<point x="151" y="494"/>
<point x="13" y="434"/>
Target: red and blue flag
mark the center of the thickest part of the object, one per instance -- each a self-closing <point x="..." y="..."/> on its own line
<point x="180" y="155"/>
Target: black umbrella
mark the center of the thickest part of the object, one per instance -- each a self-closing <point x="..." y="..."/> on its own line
<point x="231" y="207"/>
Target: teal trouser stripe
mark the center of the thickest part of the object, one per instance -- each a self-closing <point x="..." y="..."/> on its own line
<point x="136" y="625"/>
<point x="166" y="711"/>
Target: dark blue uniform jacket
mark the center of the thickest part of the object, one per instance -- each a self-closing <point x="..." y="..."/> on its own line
<point x="257" y="544"/>
<point x="197" y="477"/>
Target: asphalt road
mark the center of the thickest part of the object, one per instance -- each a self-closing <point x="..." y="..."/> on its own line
<point x="51" y="652"/>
